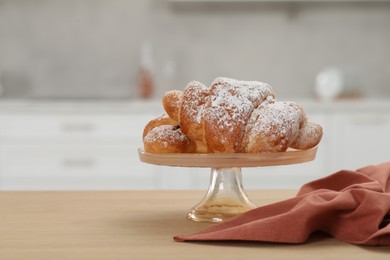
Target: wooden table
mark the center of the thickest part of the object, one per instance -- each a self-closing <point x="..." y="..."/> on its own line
<point x="138" y="225"/>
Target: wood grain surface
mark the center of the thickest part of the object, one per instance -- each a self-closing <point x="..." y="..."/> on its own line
<point x="138" y="225"/>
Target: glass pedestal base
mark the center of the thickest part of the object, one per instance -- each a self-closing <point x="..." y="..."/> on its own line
<point x="224" y="199"/>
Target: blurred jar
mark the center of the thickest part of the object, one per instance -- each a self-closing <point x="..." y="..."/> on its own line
<point x="1" y="85"/>
<point x="146" y="79"/>
<point x="334" y="82"/>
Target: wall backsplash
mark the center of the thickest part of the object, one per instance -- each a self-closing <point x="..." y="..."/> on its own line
<point x="91" y="48"/>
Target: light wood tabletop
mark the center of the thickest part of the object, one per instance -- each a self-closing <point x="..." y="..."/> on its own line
<point x="138" y="225"/>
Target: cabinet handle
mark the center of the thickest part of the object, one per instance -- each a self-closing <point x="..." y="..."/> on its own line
<point x="78" y="162"/>
<point x="78" y="127"/>
<point x="368" y="120"/>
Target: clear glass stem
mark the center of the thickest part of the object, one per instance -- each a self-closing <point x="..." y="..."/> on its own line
<point x="224" y="199"/>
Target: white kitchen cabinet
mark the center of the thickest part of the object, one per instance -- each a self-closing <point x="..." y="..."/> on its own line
<point x="73" y="166"/>
<point x="360" y="139"/>
<point x="182" y="177"/>
<point x="73" y="150"/>
<point x="87" y="126"/>
<point x="58" y="147"/>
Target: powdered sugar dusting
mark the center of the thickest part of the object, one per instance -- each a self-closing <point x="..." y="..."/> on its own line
<point x="233" y="94"/>
<point x="195" y="91"/>
<point x="165" y="134"/>
<point x="309" y="136"/>
<point x="238" y="99"/>
<point x="278" y="121"/>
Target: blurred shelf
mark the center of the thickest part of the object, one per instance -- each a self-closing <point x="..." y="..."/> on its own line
<point x="272" y="1"/>
<point x="26" y="106"/>
<point x="155" y="107"/>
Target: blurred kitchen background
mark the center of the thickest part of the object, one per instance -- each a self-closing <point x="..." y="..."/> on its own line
<point x="80" y="79"/>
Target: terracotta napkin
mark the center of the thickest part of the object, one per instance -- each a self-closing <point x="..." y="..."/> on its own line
<point x="352" y="206"/>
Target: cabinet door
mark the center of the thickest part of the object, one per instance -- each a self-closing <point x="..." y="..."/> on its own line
<point x="360" y="140"/>
<point x="180" y="178"/>
<point x="65" y="127"/>
<point x="73" y="151"/>
<point x="73" y="166"/>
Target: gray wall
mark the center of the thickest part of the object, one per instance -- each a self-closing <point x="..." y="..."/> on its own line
<point x="92" y="47"/>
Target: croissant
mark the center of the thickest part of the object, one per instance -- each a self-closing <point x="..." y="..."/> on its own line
<point x="163" y="134"/>
<point x="231" y="116"/>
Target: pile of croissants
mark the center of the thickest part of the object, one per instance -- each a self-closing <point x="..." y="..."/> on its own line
<point x="230" y="116"/>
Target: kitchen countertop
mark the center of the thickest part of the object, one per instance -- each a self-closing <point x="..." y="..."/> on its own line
<point x="154" y="106"/>
<point x="121" y="106"/>
<point x="138" y="225"/>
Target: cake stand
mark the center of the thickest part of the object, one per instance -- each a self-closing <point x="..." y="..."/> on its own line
<point x="226" y="196"/>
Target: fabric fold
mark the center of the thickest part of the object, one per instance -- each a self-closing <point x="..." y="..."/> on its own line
<point x="352" y="206"/>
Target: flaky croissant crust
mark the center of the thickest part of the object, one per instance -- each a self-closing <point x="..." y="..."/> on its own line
<point x="230" y="116"/>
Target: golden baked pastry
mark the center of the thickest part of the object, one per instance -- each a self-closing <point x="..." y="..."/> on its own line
<point x="164" y="119"/>
<point x="163" y="135"/>
<point x="230" y="116"/>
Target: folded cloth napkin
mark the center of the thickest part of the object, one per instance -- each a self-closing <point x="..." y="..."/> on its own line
<point x="352" y="206"/>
